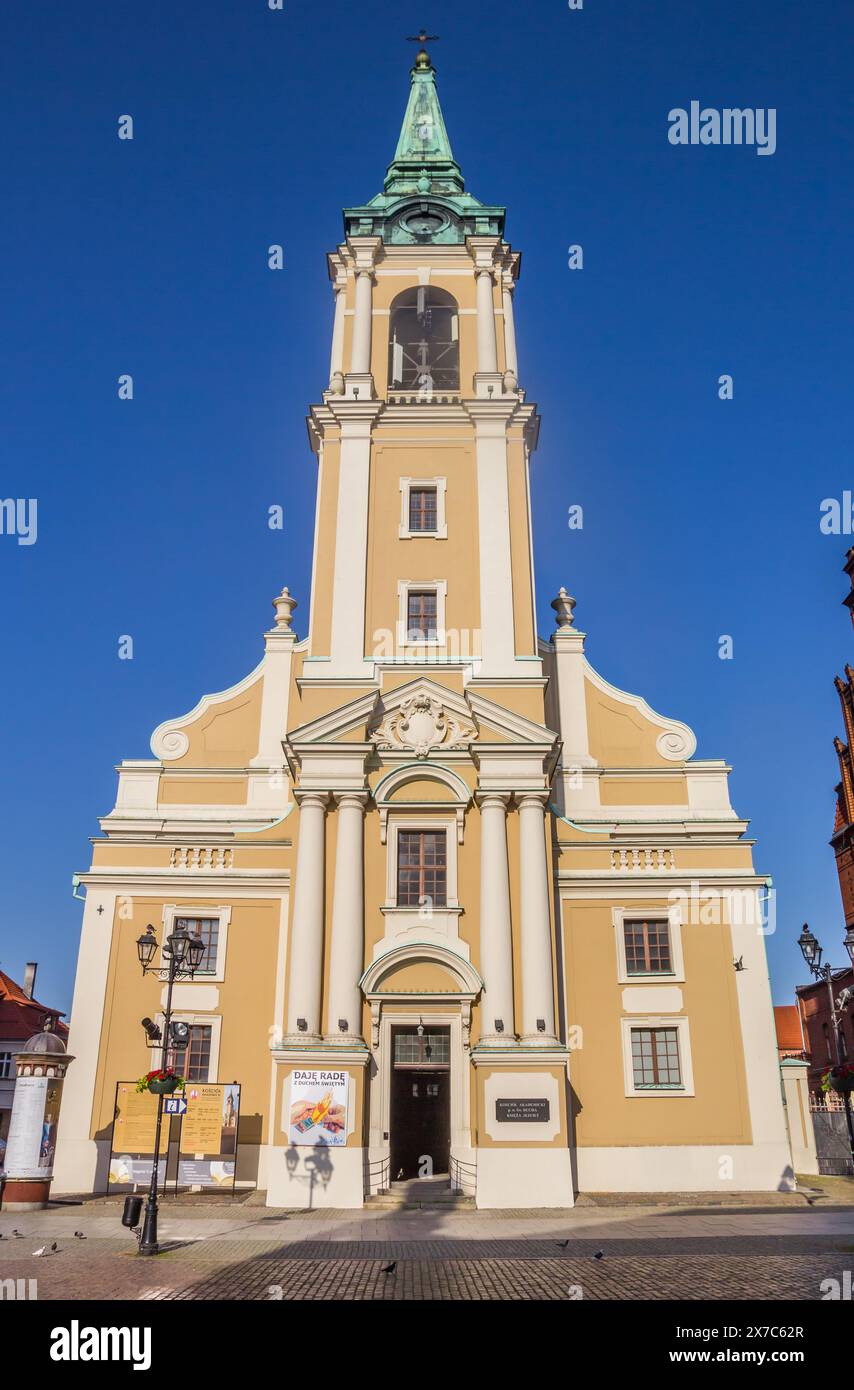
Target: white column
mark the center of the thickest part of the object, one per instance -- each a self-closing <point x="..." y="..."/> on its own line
<point x="510" y="330"/>
<point x="497" y="625"/>
<point x="337" y="359"/>
<point x="537" y="986"/>
<point x="348" y="921"/>
<point x="487" y="342"/>
<point x="77" y="1167"/>
<point x="496" y="944"/>
<point x="306" y="952"/>
<point x="360" y="356"/>
<point x="349" y="580"/>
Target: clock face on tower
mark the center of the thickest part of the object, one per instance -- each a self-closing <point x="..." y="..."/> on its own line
<point x="424" y="222"/>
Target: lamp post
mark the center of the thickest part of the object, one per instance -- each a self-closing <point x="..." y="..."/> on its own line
<point x="182" y="954"/>
<point x="812" y="954"/>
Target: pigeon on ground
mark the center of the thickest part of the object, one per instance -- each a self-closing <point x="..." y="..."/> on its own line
<point x="42" y="1250"/>
<point x="389" y="1269"/>
<point x="78" y="1235"/>
<point x="563" y="1244"/>
<point x="600" y="1255"/>
<point x="19" y="1235"/>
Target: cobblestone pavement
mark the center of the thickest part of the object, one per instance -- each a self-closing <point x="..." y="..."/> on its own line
<point x="454" y="1256"/>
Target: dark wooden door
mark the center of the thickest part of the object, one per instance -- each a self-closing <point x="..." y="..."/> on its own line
<point x="420" y="1122"/>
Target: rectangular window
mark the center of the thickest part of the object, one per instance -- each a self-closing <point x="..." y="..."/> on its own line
<point x="423" y="509"/>
<point x="194" y="1061"/>
<point x="5" y="1065"/>
<point x="208" y="929"/>
<point x="421" y="610"/>
<point x="655" y="1059"/>
<point x="424" y="1050"/>
<point x="422" y="868"/>
<point x="648" y="947"/>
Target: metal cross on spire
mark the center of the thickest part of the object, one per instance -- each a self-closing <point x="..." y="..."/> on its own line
<point x="423" y="37"/>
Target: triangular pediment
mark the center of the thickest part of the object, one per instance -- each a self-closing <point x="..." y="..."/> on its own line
<point x="337" y="725"/>
<point x="422" y="717"/>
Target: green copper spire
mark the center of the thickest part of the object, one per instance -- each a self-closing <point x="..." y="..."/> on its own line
<point x="424" y="198"/>
<point x="423" y="147"/>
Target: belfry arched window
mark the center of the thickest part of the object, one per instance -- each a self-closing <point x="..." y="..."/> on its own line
<point x="424" y="345"/>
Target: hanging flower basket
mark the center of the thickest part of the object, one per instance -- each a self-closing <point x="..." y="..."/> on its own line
<point x="840" y="1079"/>
<point x="160" y="1083"/>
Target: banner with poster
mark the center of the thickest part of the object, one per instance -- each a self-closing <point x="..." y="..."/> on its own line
<point x="208" y="1143"/>
<point x="132" y="1147"/>
<point x="32" y="1132"/>
<point x="318" y="1113"/>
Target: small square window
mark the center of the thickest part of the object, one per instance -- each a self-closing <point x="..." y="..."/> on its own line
<point x="655" y="1059"/>
<point x="648" y="950"/>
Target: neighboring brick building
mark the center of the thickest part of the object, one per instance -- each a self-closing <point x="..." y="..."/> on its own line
<point x="818" y="1024"/>
<point x="814" y="1000"/>
<point x="843" y="829"/>
<point x="20" y="1017"/>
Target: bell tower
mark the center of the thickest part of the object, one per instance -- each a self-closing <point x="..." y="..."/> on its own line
<point x="423" y="437"/>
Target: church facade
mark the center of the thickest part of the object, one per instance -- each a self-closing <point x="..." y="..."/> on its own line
<point x="491" y="907"/>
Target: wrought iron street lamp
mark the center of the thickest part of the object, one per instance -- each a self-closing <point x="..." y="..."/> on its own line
<point x="181" y="956"/>
<point x="812" y="954"/>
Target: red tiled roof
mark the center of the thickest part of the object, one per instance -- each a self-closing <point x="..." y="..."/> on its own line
<point x="21" y="1017"/>
<point x="788" y="1025"/>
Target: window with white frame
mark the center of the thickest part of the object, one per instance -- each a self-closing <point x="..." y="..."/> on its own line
<point x="211" y="924"/>
<point x="5" y="1065"/>
<point x="422" y="864"/>
<point x="422" y="508"/>
<point x="205" y="929"/>
<point x="421" y="613"/>
<point x="657" y="1056"/>
<point x="199" y="1061"/>
<point x="422" y="868"/>
<point x="649" y="945"/>
<point x="193" y="1062"/>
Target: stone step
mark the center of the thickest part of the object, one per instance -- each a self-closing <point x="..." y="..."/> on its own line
<point x="421" y="1193"/>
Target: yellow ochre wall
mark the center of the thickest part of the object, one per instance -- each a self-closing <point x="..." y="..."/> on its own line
<point x="718" y="1113"/>
<point x="246" y="1004"/>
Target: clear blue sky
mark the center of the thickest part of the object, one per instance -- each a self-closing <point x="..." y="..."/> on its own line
<point x="253" y="127"/>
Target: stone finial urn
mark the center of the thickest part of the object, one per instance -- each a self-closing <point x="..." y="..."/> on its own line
<point x="284" y="606"/>
<point x="564" y="606"/>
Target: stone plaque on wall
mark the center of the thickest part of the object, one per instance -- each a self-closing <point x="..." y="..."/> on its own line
<point x="522" y="1112"/>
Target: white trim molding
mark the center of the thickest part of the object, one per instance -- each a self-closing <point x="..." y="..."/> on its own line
<point x="200" y="1020"/>
<point x="399" y="819"/>
<point x="394" y="781"/>
<point x="673" y="916"/>
<point x="171" y="911"/>
<point x="680" y="1023"/>
<point x="404" y="587"/>
<point x="440" y="485"/>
